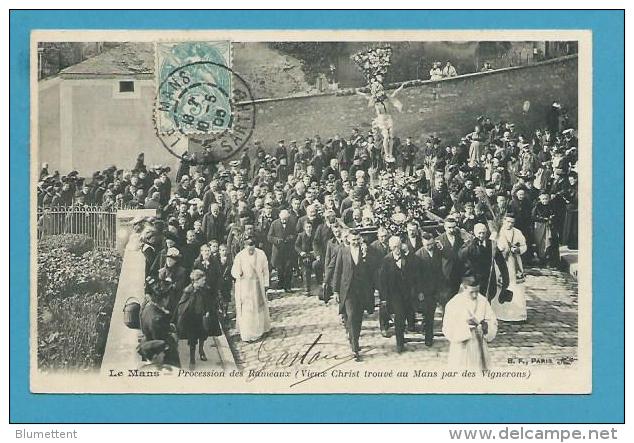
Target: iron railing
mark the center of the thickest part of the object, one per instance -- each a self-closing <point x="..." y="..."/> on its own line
<point x="95" y="222"/>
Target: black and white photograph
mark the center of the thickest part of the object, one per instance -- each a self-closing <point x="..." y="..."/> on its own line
<point x="311" y="211"/>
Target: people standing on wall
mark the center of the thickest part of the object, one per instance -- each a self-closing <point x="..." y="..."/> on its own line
<point x="449" y="70"/>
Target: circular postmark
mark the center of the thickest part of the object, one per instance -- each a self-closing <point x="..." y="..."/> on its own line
<point x="208" y="104"/>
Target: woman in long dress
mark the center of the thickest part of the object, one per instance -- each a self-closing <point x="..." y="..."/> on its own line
<point x="512" y="244"/>
<point x="571" y="219"/>
<point x="251" y="271"/>
<point x="133" y="266"/>
<point x="193" y="306"/>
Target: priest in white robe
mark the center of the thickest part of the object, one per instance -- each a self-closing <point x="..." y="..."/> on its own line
<point x="512" y="244"/>
<point x="251" y="271"/>
<point x="469" y="323"/>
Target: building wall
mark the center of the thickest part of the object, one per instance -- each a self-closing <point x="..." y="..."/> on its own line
<point x="99" y="127"/>
<point x="49" y="124"/>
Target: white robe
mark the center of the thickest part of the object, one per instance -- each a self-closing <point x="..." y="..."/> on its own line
<point x="467" y="346"/>
<point x="133" y="268"/>
<point x="515" y="310"/>
<point x="252" y="308"/>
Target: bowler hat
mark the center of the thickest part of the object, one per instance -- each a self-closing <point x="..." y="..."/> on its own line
<point x="150" y="348"/>
<point x="173" y="253"/>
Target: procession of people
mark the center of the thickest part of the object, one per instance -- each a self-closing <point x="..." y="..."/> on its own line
<point x="309" y="215"/>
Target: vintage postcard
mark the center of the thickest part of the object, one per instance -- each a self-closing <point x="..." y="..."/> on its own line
<point x="311" y="211"/>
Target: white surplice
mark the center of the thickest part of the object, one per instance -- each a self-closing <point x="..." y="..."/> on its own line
<point x="252" y="307"/>
<point x="467" y="344"/>
<point x="515" y="310"/>
<point x="133" y="268"/>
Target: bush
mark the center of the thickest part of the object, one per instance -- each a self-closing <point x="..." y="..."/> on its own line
<point x="76" y="293"/>
<point x="62" y="274"/>
<point x="72" y="331"/>
<point x="76" y="244"/>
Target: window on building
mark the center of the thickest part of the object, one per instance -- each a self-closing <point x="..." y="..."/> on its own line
<point x="126" y="86"/>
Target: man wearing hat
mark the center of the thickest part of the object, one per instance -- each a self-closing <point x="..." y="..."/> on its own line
<point x="280" y="151"/>
<point x="156" y="352"/>
<point x="408" y="154"/>
<point x="156" y="321"/>
<point x="469" y="324"/>
<point x="260" y="160"/>
<point x="173" y="277"/>
<point x="291" y="153"/>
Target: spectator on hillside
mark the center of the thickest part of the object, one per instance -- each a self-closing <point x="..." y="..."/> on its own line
<point x="449" y="70"/>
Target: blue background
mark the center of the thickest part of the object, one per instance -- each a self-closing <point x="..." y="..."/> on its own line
<point x="606" y="404"/>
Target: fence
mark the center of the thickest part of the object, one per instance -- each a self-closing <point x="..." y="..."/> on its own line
<point x="97" y="223"/>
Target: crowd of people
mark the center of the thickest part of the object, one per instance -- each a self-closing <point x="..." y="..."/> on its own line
<point x="304" y="214"/>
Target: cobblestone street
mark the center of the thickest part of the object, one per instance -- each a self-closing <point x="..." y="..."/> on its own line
<point x="299" y="321"/>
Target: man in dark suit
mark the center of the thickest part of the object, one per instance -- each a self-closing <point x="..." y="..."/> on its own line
<point x="280" y="151"/>
<point x="522" y="207"/>
<point x="441" y="199"/>
<point x="214" y="224"/>
<point x="330" y="260"/>
<point x="429" y="269"/>
<point x="450" y="244"/>
<point x="306" y="253"/>
<point x="379" y="249"/>
<point x="282" y="238"/>
<point x="156" y="320"/>
<point x="408" y="154"/>
<point x="479" y="256"/>
<point x="398" y="285"/>
<point x="323" y="233"/>
<point x="412" y="240"/>
<point x="350" y="285"/>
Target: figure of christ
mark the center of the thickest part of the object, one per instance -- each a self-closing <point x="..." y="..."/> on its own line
<point x="383" y="121"/>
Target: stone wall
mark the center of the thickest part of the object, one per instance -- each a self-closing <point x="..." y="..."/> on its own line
<point x="499" y="94"/>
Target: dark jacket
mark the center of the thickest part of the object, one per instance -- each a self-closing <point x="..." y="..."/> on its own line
<point x="429" y="271"/>
<point x="451" y="265"/>
<point x="304" y="243"/>
<point x="411" y="249"/>
<point x="398" y="285"/>
<point x="478" y="260"/>
<point x="175" y="279"/>
<point x="323" y="234"/>
<point x="192" y="306"/>
<point x="350" y="280"/>
<point x="330" y="260"/>
<point x="211" y="268"/>
<point x="214" y="227"/>
<point x="282" y="240"/>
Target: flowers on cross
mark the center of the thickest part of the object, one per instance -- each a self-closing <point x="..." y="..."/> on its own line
<point x="397" y="203"/>
<point x="373" y="61"/>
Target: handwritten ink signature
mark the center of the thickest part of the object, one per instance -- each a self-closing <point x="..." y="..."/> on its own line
<point x="273" y="353"/>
